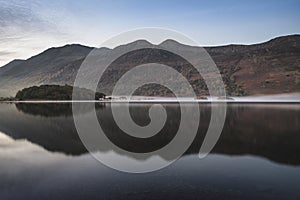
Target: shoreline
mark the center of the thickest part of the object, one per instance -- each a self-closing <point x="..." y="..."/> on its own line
<point x="161" y="101"/>
<point x="278" y="98"/>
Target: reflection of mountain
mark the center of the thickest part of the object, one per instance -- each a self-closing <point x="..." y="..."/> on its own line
<point x="267" y="68"/>
<point x="262" y="130"/>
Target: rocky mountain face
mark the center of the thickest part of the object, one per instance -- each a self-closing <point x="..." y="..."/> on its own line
<point x="272" y="67"/>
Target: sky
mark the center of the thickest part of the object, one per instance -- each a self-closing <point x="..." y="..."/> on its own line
<point x="27" y="27"/>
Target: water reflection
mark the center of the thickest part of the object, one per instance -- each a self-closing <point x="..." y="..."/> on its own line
<point x="52" y="109"/>
<point x="41" y="156"/>
<point x="28" y="171"/>
<point x="267" y="131"/>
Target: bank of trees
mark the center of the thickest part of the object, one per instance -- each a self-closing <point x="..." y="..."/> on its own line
<point x="55" y="92"/>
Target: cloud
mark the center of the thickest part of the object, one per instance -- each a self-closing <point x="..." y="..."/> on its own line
<point x="16" y="14"/>
<point x="25" y="30"/>
<point x="4" y="53"/>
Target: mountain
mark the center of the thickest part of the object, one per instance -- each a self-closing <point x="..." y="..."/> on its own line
<point x="55" y="65"/>
<point x="11" y="65"/>
<point x="271" y="67"/>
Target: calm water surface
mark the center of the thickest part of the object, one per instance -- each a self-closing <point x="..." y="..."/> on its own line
<point x="257" y="156"/>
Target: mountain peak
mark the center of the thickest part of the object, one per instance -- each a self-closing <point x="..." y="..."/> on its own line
<point x="140" y="42"/>
<point x="169" y="41"/>
<point x="70" y="47"/>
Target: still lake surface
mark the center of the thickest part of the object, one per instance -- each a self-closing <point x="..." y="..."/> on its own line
<point x="256" y="157"/>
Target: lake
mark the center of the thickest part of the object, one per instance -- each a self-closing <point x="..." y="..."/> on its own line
<point x="256" y="157"/>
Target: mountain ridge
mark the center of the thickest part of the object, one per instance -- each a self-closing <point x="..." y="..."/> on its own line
<point x="206" y="47"/>
<point x="264" y="68"/>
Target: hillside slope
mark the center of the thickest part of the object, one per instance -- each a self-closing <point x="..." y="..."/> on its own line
<point x="272" y="67"/>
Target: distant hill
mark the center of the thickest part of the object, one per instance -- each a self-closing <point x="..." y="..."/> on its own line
<point x="272" y="67"/>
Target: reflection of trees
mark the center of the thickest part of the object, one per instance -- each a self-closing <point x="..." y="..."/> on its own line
<point x="46" y="109"/>
<point x="54" y="109"/>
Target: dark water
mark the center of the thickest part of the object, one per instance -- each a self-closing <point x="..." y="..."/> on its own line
<point x="257" y="156"/>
